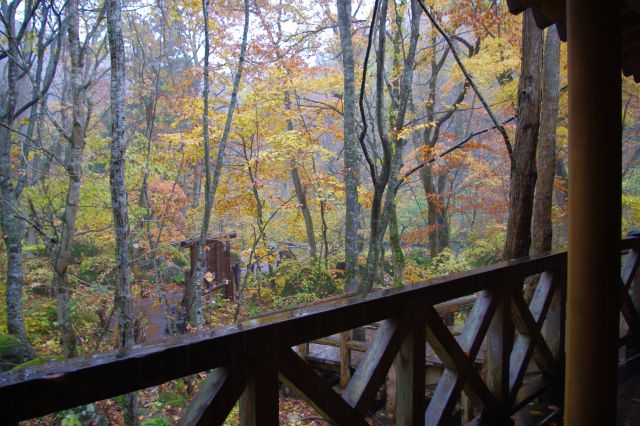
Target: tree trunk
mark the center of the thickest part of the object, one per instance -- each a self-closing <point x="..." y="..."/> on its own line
<point x="387" y="182"/>
<point x="74" y="174"/>
<point x="523" y="166"/>
<point x="301" y="195"/>
<point x="211" y="180"/>
<point x="13" y="230"/>
<point x="546" y="161"/>
<point x="351" y="155"/>
<point x="117" y="184"/>
<point x="396" y="249"/>
<point x="325" y="230"/>
<point x="12" y="226"/>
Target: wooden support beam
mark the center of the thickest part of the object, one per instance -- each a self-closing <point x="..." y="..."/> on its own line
<point x="527" y="326"/>
<point x="217" y="395"/>
<point x="371" y="371"/>
<point x="627" y="308"/>
<point x="459" y="371"/>
<point x="595" y="163"/>
<point x="529" y="341"/>
<point x="410" y="375"/>
<point x="554" y="325"/>
<point x="499" y="345"/>
<point x="259" y="403"/>
<point x="296" y="374"/>
<point x="345" y="358"/>
<point x="630" y="267"/>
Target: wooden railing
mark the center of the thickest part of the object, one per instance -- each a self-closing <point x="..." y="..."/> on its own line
<point x="247" y="360"/>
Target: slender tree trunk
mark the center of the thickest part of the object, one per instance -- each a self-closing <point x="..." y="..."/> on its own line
<point x="351" y="154"/>
<point x="396" y="248"/>
<point x="12" y="225"/>
<point x="74" y="173"/>
<point x="301" y="196"/>
<point x="212" y="179"/>
<point x="119" y="190"/>
<point x="301" y="193"/>
<point x="194" y="299"/>
<point x="546" y="161"/>
<point x="387" y="182"/>
<point x="325" y="229"/>
<point x="523" y="167"/>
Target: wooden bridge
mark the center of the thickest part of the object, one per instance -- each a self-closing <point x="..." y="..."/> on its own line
<point x="247" y="360"/>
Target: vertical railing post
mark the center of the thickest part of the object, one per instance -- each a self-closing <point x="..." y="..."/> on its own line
<point x="410" y="373"/>
<point x="259" y="404"/>
<point x="499" y="345"/>
<point x="554" y="326"/>
<point x="345" y="358"/>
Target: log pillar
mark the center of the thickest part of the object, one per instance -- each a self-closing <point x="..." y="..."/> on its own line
<point x="594" y="52"/>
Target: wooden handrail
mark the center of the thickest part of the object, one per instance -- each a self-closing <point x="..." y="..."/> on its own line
<point x="231" y="350"/>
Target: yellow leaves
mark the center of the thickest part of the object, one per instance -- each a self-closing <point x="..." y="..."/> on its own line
<point x="408" y="130"/>
<point x="497" y="61"/>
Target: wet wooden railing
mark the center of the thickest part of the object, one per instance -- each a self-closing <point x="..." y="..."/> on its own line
<point x="247" y="360"/>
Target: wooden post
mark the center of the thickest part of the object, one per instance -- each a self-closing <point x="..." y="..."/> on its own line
<point x="554" y="324"/>
<point x="345" y="358"/>
<point x="410" y="375"/>
<point x="499" y="345"/>
<point x="594" y="52"/>
<point x="259" y="404"/>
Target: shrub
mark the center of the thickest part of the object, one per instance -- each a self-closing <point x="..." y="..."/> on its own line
<point x="296" y="277"/>
<point x="447" y="263"/>
<point x="84" y="248"/>
<point x="93" y="268"/>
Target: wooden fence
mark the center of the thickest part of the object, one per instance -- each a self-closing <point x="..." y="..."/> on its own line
<point x="248" y="360"/>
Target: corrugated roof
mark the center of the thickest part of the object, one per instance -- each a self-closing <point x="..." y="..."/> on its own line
<point x="549" y="12"/>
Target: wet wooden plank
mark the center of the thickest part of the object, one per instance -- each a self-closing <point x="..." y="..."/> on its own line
<point x="371" y="371"/>
<point x="457" y="362"/>
<point x="410" y="375"/>
<point x="217" y="395"/>
<point x="627" y="307"/>
<point x="345" y="358"/>
<point x="260" y="401"/>
<point x="296" y="374"/>
<point x="630" y="267"/>
<point x="525" y="343"/>
<point x="499" y="344"/>
<point x="529" y="331"/>
<point x="449" y="387"/>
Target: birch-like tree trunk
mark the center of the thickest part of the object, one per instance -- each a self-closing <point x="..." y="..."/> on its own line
<point x="523" y="165"/>
<point x="212" y="179"/>
<point x="351" y="154"/>
<point x="118" y="187"/>
<point x="18" y="58"/>
<point x="542" y="230"/>
<point x="62" y="255"/>
<point x="388" y="180"/>
<point x="301" y="192"/>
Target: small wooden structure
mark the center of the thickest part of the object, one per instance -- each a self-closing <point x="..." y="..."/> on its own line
<point x="218" y="262"/>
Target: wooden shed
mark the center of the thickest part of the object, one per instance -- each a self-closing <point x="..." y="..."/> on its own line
<point x="219" y="271"/>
